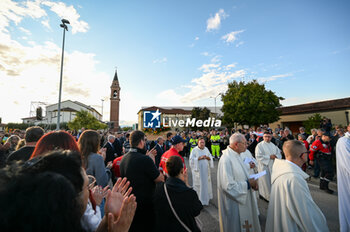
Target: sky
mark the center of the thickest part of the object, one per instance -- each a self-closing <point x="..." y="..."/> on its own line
<point x="170" y="53"/>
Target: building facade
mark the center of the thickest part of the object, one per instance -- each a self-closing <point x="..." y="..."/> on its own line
<point x="68" y="111"/>
<point x="293" y="117"/>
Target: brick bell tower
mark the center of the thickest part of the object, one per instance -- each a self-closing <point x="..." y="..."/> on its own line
<point x="115" y="99"/>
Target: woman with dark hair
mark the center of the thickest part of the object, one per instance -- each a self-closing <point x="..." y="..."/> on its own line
<point x="89" y="143"/>
<point x="183" y="205"/>
<point x="55" y="140"/>
<point x="49" y="204"/>
<point x="21" y="197"/>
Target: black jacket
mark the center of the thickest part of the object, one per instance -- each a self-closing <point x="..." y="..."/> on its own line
<point x="185" y="202"/>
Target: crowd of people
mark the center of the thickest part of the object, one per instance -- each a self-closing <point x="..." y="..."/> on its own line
<point x="101" y="181"/>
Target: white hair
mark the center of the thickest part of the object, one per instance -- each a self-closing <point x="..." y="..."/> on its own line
<point x="111" y="137"/>
<point x="237" y="138"/>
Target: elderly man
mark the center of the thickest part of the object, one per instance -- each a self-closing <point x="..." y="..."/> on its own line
<point x="160" y="150"/>
<point x="110" y="149"/>
<point x="343" y="174"/>
<point x="237" y="209"/>
<point x="291" y="207"/>
<point x="200" y="159"/>
<point x="265" y="153"/>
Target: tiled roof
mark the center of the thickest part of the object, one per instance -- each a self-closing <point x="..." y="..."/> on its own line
<point x="330" y="105"/>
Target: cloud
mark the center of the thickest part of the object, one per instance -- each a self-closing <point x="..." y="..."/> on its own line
<point x="239" y="44"/>
<point x="274" y="77"/>
<point x="46" y="24"/>
<point x="214" y="80"/>
<point x="216" y="59"/>
<point x="69" y="13"/>
<point x="231" y="37"/>
<point x="25" y="30"/>
<point x="213" y="23"/>
<point x="161" y="60"/>
<point x="207" y="67"/>
<point x="16" y="11"/>
<point x="30" y="71"/>
<point x="197" y="38"/>
<point x="230" y="66"/>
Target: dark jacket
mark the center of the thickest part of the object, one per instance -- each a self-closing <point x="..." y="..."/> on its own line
<point x="185" y="202"/>
<point x="160" y="151"/>
<point x="118" y="147"/>
<point x="110" y="152"/>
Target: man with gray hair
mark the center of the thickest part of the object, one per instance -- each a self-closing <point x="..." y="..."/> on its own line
<point x="237" y="209"/>
<point x="291" y="206"/>
<point x="110" y="149"/>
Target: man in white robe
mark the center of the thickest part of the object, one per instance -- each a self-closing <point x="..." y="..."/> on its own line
<point x="266" y="152"/>
<point x="291" y="207"/>
<point x="200" y="162"/>
<point x="343" y="178"/>
<point x="237" y="208"/>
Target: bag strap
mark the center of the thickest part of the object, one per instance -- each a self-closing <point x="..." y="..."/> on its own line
<point x="172" y="209"/>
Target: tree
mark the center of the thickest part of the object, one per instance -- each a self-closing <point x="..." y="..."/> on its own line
<point x="249" y="104"/>
<point x="312" y="122"/>
<point x="86" y="120"/>
<point x="200" y="114"/>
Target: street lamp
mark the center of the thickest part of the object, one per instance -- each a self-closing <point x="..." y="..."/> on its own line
<point x="102" y="110"/>
<point x="65" y="28"/>
<point x="215" y="102"/>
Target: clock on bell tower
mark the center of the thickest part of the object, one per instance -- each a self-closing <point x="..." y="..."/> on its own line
<point x="115" y="99"/>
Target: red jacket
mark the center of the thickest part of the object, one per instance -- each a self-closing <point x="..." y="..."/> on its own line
<point x="318" y="146"/>
<point x="116" y="166"/>
<point x="172" y="151"/>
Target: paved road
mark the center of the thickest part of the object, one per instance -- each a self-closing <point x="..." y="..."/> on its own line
<point x="327" y="203"/>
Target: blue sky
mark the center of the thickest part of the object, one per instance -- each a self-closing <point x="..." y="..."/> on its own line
<point x="171" y="53"/>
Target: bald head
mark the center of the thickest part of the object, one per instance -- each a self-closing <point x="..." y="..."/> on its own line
<point x="294" y="150"/>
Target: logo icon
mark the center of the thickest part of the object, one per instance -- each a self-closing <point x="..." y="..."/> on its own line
<point x="151" y="119"/>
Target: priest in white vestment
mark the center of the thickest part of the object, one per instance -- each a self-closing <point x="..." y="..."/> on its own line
<point x="265" y="153"/>
<point x="343" y="178"/>
<point x="291" y="207"/>
<point x="200" y="162"/>
<point x="237" y="207"/>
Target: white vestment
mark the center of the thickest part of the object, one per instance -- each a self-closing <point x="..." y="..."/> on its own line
<point x="237" y="208"/>
<point x="201" y="174"/>
<point x="262" y="154"/>
<point x="248" y="155"/>
<point x="291" y="207"/>
<point x="343" y="178"/>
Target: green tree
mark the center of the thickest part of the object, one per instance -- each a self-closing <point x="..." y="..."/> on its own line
<point x="86" y="120"/>
<point x="312" y="122"/>
<point x="200" y="114"/>
<point x="249" y="104"/>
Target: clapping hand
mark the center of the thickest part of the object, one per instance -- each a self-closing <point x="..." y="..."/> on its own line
<point x="115" y="198"/>
<point x="120" y="206"/>
<point x="123" y="222"/>
<point x="98" y="193"/>
<point x="102" y="152"/>
<point x="152" y="153"/>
